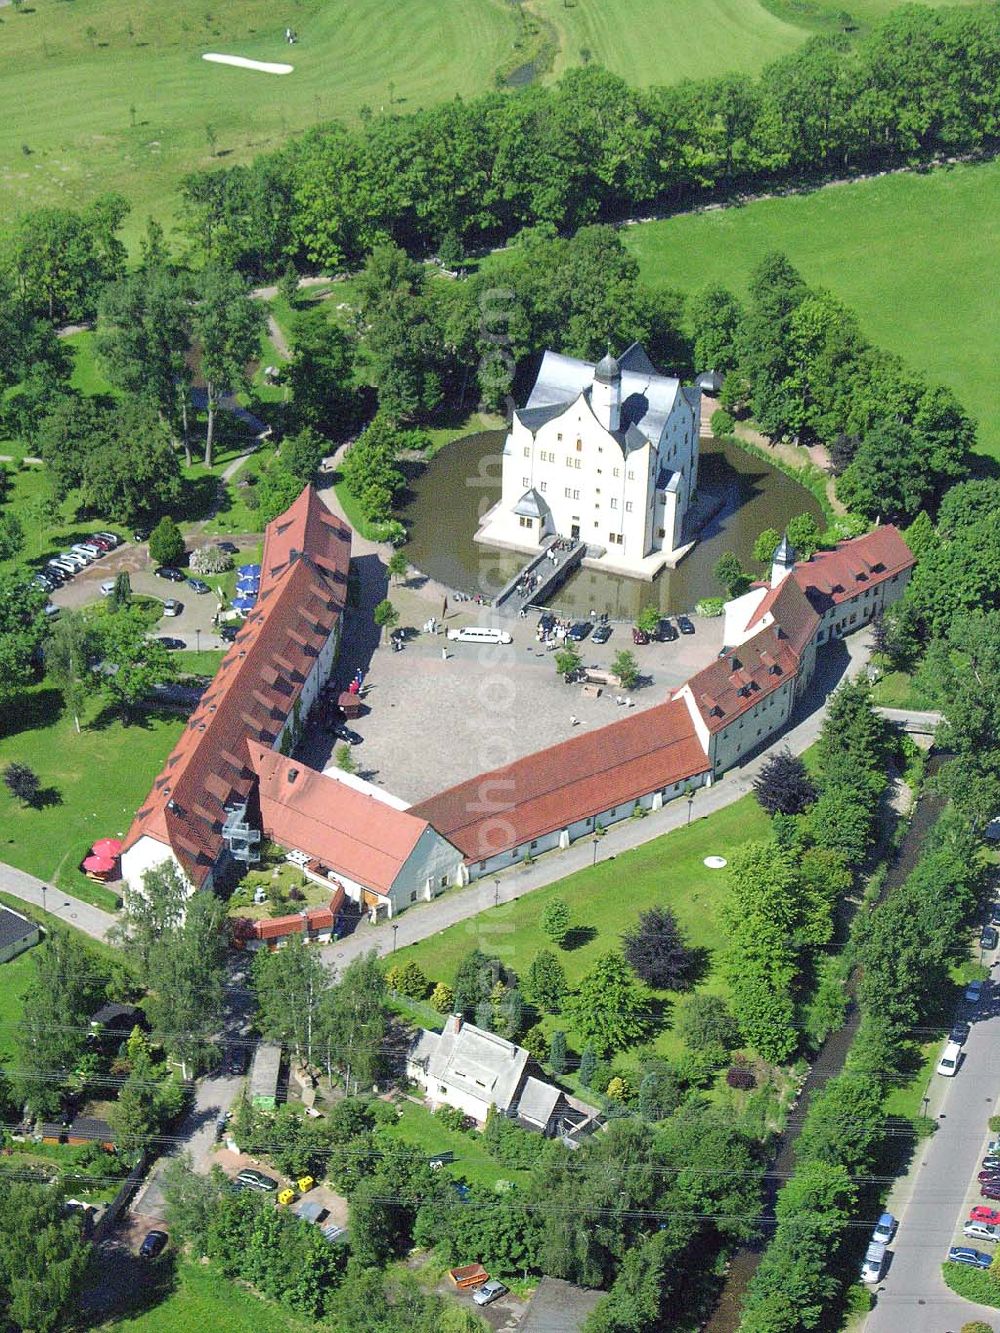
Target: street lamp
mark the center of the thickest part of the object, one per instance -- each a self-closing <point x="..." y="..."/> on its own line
<point x="45" y="888"/>
<point x="197" y="640"/>
<point x="690" y="804"/>
<point x="597" y="839"/>
<point x="496" y="893"/>
<point x="395" y="928"/>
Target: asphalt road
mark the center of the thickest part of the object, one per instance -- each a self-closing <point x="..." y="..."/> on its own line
<point x="934" y="1199"/>
<point x="75" y="912"/>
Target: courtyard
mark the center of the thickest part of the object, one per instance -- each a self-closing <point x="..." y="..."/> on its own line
<point x="440" y="712"/>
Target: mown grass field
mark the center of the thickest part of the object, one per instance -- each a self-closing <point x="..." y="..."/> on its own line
<point x="201" y="1300"/>
<point x="15" y="978"/>
<point x="114" y="94"/>
<point x="605" y="900"/>
<point x="94" y="782"/>
<point x="912" y="254"/>
<point x="418" y="1127"/>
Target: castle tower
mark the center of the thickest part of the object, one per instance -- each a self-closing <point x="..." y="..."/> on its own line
<point x="606" y="394"/>
<point x="783" y="561"/>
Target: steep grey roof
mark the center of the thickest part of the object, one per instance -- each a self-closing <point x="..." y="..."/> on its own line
<point x="607" y="370"/>
<point x="265" y="1069"/>
<point x="538" y="1102"/>
<point x="531" y="505"/>
<point x="784" y="552"/>
<point x="647" y="397"/>
<point x="472" y="1061"/>
<point x="673" y="483"/>
<point x="14" y="927"/>
<point x="534" y="417"/>
<point x="710" y="381"/>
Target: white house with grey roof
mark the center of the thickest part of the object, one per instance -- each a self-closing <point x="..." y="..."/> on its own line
<point x="606" y="454"/>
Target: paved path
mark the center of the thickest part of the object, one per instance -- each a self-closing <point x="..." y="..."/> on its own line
<point x="935" y="1196"/>
<point x="91" y="920"/>
<point x="420" y="922"/>
<point x="911" y="719"/>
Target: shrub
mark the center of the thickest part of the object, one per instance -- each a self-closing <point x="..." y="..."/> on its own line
<point x="556" y="920"/>
<point x="710" y="607"/>
<point x="722" y="423"/>
<point x="451" y="1117"/>
<point x="442" y="998"/>
<point x="409" y="980"/>
<point x="618" y="1089"/>
<point x="557" y="1055"/>
<point x="536" y="1043"/>
<point x="703" y="1021"/>
<point x="972" y="1283"/>
<point x="166" y="542"/>
<point x="210" y="560"/>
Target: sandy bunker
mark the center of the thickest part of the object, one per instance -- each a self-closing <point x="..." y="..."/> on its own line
<point x="243" y="63"/>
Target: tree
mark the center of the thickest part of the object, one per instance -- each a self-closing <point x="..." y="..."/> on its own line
<point x="714" y="315"/>
<point x="557" y="1053"/>
<point x="22" y="782"/>
<point x="567" y="661"/>
<point x="356" y="1023"/>
<point x="588" y="1065"/>
<point x="655" y="950"/>
<point x="626" y="668"/>
<point x="385" y="614"/>
<point x="187" y="964"/>
<point x="804" y="535"/>
<point x="150" y="913"/>
<point x="121" y="593"/>
<point x="292" y="987"/>
<point x="648" y="620"/>
<point x="166" y="543"/>
<point x="320" y="375"/>
<point x="766" y="545"/>
<point x="61" y="259"/>
<point x="227" y="325"/>
<point x="545" y="981"/>
<point x="442" y="998"/>
<point x="11" y="536"/>
<point x="130" y="468"/>
<point x="44" y="1257"/>
<point x="783" y="785"/>
<point x="302" y="454"/>
<point x="731" y="574"/>
<point x="556" y="920"/>
<point x="609" y="1007"/>
<point x="398" y="566"/>
<point x="22" y="631"/>
<point x="276" y="489"/>
<point x="409" y="979"/>
<point x="133" y="662"/>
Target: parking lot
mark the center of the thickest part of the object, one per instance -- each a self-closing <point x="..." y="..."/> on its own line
<point x="441" y="712"/>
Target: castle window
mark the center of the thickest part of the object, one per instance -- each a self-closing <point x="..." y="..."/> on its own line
<point x="576" y="495"/>
<point x="579" y="446"/>
<point x="567" y="493"/>
<point x="628" y="506"/>
<point x="559" y="437"/>
<point x="524" y="522"/>
<point x="631" y="475"/>
<point x="614" y="503"/>
<point x="578" y="462"/>
<point x="618" y="471"/>
<point x="527" y="451"/>
<point x="543" y="486"/>
<point x="525" y="481"/>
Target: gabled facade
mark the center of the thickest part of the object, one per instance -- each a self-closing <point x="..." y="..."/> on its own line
<point x="606" y="454"/>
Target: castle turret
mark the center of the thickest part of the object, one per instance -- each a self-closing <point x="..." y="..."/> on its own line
<point x="606" y="394"/>
<point x="783" y="561"/>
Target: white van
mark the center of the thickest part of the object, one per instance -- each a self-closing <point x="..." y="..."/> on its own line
<point x="479" y="634"/>
<point x="950" y="1057"/>
<point x="874" y="1263"/>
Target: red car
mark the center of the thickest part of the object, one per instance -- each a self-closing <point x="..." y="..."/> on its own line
<point x="990" y="1189"/>
<point x="991" y="1216"/>
<point x="989" y="1174"/>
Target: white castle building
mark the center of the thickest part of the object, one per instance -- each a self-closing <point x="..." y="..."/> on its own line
<point x="605" y="454"/>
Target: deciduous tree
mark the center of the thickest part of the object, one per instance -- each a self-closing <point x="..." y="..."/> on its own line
<point x="609" y="1007"/>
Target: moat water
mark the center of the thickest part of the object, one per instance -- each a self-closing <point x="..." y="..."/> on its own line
<point x="448" y="497"/>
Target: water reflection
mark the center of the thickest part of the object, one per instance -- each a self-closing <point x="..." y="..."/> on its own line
<point x="449" y="495"/>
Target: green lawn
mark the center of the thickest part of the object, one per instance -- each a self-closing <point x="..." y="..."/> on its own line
<point x="203" y="1300"/>
<point x="14" y="979"/>
<point x="607" y="899"/>
<point x="472" y="1163"/>
<point x="96" y="780"/>
<point x="896" y="689"/>
<point x="205" y="663"/>
<point x="908" y="252"/>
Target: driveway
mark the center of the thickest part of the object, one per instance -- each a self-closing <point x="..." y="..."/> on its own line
<point x="91" y="920"/>
<point x="934" y="1198"/>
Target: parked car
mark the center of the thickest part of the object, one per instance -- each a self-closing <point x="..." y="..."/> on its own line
<point x="228" y="547"/>
<point x="346" y="734"/>
<point x="228" y="633"/>
<point x="141" y="535"/>
<point x="964" y="1254"/>
<point x="974" y="992"/>
<point x="578" y="631"/>
<point x="89" y="553"/>
<point x="153" y="1244"/>
<point x="989" y="939"/>
<point x="988" y="1174"/>
<point x="111" y="537"/>
<point x="220" y="1127"/>
<point x="959" y="1033"/>
<point x="873" y="1264"/>
<point x="172" y="644"/>
<point x="601" y="634"/>
<point x="546" y="622"/>
<point x="236" y="1060"/>
<point x="981" y="1231"/>
<point x="101" y="543"/>
<point x="46" y="581"/>
<point x="489" y="1292"/>
<point x="990" y="1189"/>
<point x="198" y="586"/>
<point x="168" y="572"/>
<point x="991" y="1162"/>
<point x="951" y="1058"/>
<point x="685" y="624"/>
<point x="885" y="1228"/>
<point x="993" y="1146"/>
<point x="171" y="607"/>
<point x="249" y="1178"/>
<point x="63" y="568"/>
<point x="666" y="632"/>
<point x="995" y="914"/>
<point x="74" y="559"/>
<point x="983" y="1214"/>
<point x="639" y="636"/>
<point x="50" y="610"/>
<point x="108" y="587"/>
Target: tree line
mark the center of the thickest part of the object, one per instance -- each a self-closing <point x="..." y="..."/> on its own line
<point x="471" y="173"/>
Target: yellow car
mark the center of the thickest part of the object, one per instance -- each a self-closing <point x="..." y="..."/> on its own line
<point x="286" y="1196"/>
<point x="305" y="1184"/>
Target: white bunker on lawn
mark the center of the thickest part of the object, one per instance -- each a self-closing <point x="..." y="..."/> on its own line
<point x="262" y="66"/>
<point x="715" y="862"/>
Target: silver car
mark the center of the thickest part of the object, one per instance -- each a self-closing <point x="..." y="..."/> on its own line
<point x="981" y="1231"/>
<point x="489" y="1292"/>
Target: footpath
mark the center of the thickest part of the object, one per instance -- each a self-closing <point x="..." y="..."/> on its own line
<point x="74" y="911"/>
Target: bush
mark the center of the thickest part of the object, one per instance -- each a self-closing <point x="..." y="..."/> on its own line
<point x="536" y="1043"/>
<point x="710" y="607"/>
<point x="210" y="560"/>
<point x="972" y="1283"/>
<point x="618" y="1089"/>
<point x="556" y="920"/>
<point x="409" y="980"/>
<point x="722" y="423"/>
<point x="166" y="543"/>
<point x="451" y="1117"/>
<point x="442" y="998"/>
<point x="703" y="1021"/>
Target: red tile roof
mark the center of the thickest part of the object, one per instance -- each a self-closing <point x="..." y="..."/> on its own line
<point x="731" y="685"/>
<point x="790" y="607"/>
<point x="581" y="777"/>
<point x="363" y="837"/>
<point x="834" y="576"/>
<point x="307" y="922"/>
<point x="302" y="595"/>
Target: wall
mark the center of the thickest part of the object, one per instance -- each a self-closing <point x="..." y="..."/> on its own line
<point x="465" y="1102"/>
<point x="147" y="854"/>
<point x="432" y="859"/>
<point x="753" y="727"/>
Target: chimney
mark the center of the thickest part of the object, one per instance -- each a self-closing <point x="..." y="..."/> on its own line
<point x="456" y="1022"/>
<point x="293" y="773"/>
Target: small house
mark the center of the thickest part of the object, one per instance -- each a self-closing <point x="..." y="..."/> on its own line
<point x="17" y="933"/>
<point x="264" y="1075"/>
